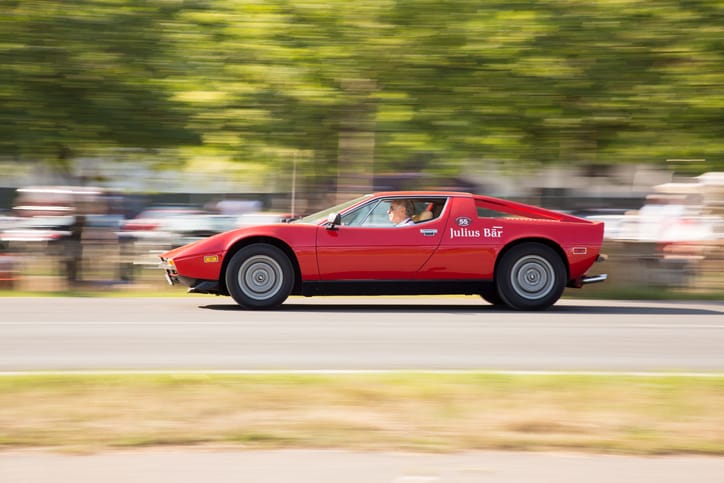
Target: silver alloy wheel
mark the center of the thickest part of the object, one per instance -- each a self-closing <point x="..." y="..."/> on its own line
<point x="532" y="277"/>
<point x="260" y="277"/>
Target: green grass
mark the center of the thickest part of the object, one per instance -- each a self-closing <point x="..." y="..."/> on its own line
<point x="398" y="411"/>
<point x="643" y="293"/>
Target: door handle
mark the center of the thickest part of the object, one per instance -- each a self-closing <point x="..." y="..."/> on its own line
<point x="428" y="231"/>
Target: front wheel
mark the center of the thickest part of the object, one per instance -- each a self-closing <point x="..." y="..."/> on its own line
<point x="531" y="276"/>
<point x="259" y="276"/>
<point x="490" y="294"/>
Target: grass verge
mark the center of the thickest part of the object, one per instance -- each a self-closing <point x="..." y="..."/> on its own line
<point x="644" y="293"/>
<point x="399" y="411"/>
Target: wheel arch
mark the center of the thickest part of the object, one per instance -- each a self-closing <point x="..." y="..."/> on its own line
<point x="239" y="244"/>
<point x="543" y="241"/>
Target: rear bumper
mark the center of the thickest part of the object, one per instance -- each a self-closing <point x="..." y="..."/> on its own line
<point x="587" y="279"/>
<point x="594" y="278"/>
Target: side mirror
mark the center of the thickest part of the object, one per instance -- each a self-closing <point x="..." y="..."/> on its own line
<point x="333" y="220"/>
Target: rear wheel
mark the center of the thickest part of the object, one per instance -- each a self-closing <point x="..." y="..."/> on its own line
<point x="531" y="276"/>
<point x="259" y="276"/>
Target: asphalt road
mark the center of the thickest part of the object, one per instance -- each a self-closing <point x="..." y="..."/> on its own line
<point x="420" y="333"/>
<point x="370" y="333"/>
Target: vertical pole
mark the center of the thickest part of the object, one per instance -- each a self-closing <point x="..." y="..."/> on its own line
<point x="294" y="183"/>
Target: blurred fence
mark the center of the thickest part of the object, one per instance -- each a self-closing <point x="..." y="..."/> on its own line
<point x="110" y="266"/>
<point x="651" y="265"/>
<point x="103" y="266"/>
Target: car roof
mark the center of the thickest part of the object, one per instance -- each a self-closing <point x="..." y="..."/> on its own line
<point x="422" y="193"/>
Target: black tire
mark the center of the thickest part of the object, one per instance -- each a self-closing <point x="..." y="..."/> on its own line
<point x="531" y="276"/>
<point x="490" y="294"/>
<point x="259" y="276"/>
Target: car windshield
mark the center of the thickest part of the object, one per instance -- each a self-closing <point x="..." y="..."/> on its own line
<point x="321" y="216"/>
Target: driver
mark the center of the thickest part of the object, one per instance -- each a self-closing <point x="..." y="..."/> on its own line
<point x="401" y="212"/>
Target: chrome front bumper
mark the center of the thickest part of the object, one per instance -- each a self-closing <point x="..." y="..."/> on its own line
<point x="171" y="278"/>
<point x="170" y="272"/>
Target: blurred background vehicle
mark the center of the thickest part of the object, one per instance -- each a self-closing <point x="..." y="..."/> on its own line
<point x="162" y="227"/>
<point x="675" y="239"/>
<point x="8" y="267"/>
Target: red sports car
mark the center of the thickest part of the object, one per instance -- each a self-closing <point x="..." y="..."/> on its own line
<point x="509" y="253"/>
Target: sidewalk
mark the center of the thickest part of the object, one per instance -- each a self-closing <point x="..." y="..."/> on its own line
<point x="330" y="466"/>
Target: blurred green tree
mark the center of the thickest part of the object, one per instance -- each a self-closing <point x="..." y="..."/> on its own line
<point x="353" y="88"/>
<point x="83" y="75"/>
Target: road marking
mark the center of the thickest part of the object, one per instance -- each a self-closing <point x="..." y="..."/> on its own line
<point x="415" y="479"/>
<point x="332" y="372"/>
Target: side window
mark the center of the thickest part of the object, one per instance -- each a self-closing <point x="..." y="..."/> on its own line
<point x="378" y="216"/>
<point x="358" y="216"/>
<point x="429" y="209"/>
<point x="485" y="212"/>
<point x="492" y="210"/>
<point x="376" y="213"/>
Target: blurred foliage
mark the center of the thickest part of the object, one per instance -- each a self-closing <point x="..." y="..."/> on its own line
<point x="414" y="411"/>
<point x="412" y="84"/>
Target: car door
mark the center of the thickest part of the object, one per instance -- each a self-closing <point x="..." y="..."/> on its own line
<point x="367" y="246"/>
<point x="468" y="245"/>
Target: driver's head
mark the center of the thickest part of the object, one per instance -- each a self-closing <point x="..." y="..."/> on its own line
<point x="400" y="210"/>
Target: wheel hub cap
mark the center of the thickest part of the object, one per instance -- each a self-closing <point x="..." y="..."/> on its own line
<point x="532" y="277"/>
<point x="260" y="277"/>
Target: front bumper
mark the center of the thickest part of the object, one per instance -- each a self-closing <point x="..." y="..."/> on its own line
<point x="195" y="285"/>
<point x="169" y="269"/>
